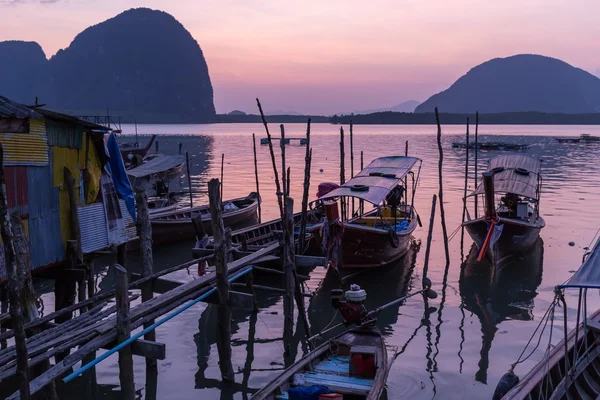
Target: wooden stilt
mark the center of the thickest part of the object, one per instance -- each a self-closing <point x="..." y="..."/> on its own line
<point x="223" y="311"/>
<point x="126" y="377"/>
<point x="306" y="188"/>
<point x="250" y="288"/>
<point x="189" y="178"/>
<point x="476" y="177"/>
<point x="352" y="160"/>
<point x="462" y="230"/>
<point x="441" y="189"/>
<point x="144" y="231"/>
<point x="277" y="186"/>
<point x="361" y="202"/>
<point x="222" y="171"/>
<point x="284" y="179"/>
<point x="122" y="255"/>
<point x="429" y="238"/>
<point x="406" y="149"/>
<point x="14" y="287"/>
<point x="256" y="178"/>
<point x="342" y="173"/>
<point x="288" y="261"/>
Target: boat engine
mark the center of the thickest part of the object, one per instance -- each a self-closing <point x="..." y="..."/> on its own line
<point x="350" y="304"/>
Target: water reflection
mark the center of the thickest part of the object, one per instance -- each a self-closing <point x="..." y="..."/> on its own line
<point x="508" y="294"/>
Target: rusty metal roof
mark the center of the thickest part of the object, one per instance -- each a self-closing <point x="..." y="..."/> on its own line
<point x="12" y="109"/>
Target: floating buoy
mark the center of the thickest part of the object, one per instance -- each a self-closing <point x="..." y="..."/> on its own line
<point x="507" y="382"/>
<point x="321" y="170"/>
<point x="571" y="244"/>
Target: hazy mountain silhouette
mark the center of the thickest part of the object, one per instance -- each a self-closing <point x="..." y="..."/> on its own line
<point x="142" y="63"/>
<point x="523" y="82"/>
<point x="406" y="106"/>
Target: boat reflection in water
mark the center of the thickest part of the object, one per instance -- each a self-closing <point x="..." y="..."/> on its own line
<point x="507" y="295"/>
<point x="388" y="284"/>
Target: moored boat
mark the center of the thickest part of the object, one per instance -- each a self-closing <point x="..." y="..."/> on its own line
<point x="379" y="236"/>
<point x="172" y="226"/>
<point x="569" y="369"/>
<point x="129" y="151"/>
<point x="583" y="138"/>
<point x="512" y="222"/>
<point x="331" y="366"/>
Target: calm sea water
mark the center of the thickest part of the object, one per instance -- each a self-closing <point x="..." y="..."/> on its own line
<point x="475" y="331"/>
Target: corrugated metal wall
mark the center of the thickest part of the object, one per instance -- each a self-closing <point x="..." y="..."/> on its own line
<point x="94" y="232"/>
<point x="26" y="148"/>
<point x="45" y="238"/>
<point x="16" y="190"/>
<point x="64" y="134"/>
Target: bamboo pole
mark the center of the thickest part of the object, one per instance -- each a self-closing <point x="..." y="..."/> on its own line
<point x="476" y="177"/>
<point x="462" y="230"/>
<point x="306" y="188"/>
<point x="352" y="160"/>
<point x="256" y="178"/>
<point x="361" y="202"/>
<point x="189" y="177"/>
<point x="283" y="171"/>
<point x="222" y="171"/>
<point x="126" y="377"/>
<point x="342" y="172"/>
<point x="16" y="311"/>
<point x="264" y="121"/>
<point x="441" y="189"/>
<point x="288" y="265"/>
<point x="223" y="311"/>
<point x="429" y="238"/>
<point x="144" y="231"/>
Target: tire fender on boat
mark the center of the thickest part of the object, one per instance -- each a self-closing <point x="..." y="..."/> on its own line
<point x="393" y="236"/>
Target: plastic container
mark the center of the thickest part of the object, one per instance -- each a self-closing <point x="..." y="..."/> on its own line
<point x="331" y="396"/>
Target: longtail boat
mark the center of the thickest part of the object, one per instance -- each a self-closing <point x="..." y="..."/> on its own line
<point x="329" y="365"/>
<point x="512" y="221"/>
<point x="177" y="225"/>
<point x="382" y="235"/>
<point x="569" y="369"/>
<point x="132" y="150"/>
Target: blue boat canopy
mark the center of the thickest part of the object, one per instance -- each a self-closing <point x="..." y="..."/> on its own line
<point x="377" y="180"/>
<point x="588" y="275"/>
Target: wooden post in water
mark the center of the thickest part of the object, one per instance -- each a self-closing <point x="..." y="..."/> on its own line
<point x="123" y="333"/>
<point x="277" y="186"/>
<point x="189" y="178"/>
<point x="223" y="311"/>
<point x="361" y="202"/>
<point x="462" y="231"/>
<point x="256" y="177"/>
<point x="283" y="171"/>
<point x="342" y="172"/>
<point x="306" y="188"/>
<point x="429" y="238"/>
<point x="14" y="288"/>
<point x="144" y="231"/>
<point x="222" y="171"/>
<point x="441" y="192"/>
<point x="288" y="266"/>
<point x="352" y="161"/>
<point x="488" y="187"/>
<point x="476" y="153"/>
<point x="406" y="149"/>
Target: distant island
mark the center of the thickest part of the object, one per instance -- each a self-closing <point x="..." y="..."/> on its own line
<point x="141" y="64"/>
<point x="521" y="83"/>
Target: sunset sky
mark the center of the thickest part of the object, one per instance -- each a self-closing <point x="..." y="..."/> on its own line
<point x="332" y="56"/>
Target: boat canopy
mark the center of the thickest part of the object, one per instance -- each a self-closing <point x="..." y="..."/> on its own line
<point x="588" y="275"/>
<point x="514" y="173"/>
<point x="157" y="165"/>
<point x="377" y="180"/>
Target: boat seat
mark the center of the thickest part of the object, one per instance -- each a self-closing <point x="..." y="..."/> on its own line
<point x="333" y="372"/>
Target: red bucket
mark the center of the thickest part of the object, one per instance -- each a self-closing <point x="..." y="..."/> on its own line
<point x="331" y="396"/>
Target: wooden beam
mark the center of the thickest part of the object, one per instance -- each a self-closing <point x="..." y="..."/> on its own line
<point x="159" y="285"/>
<point x="123" y="333"/>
